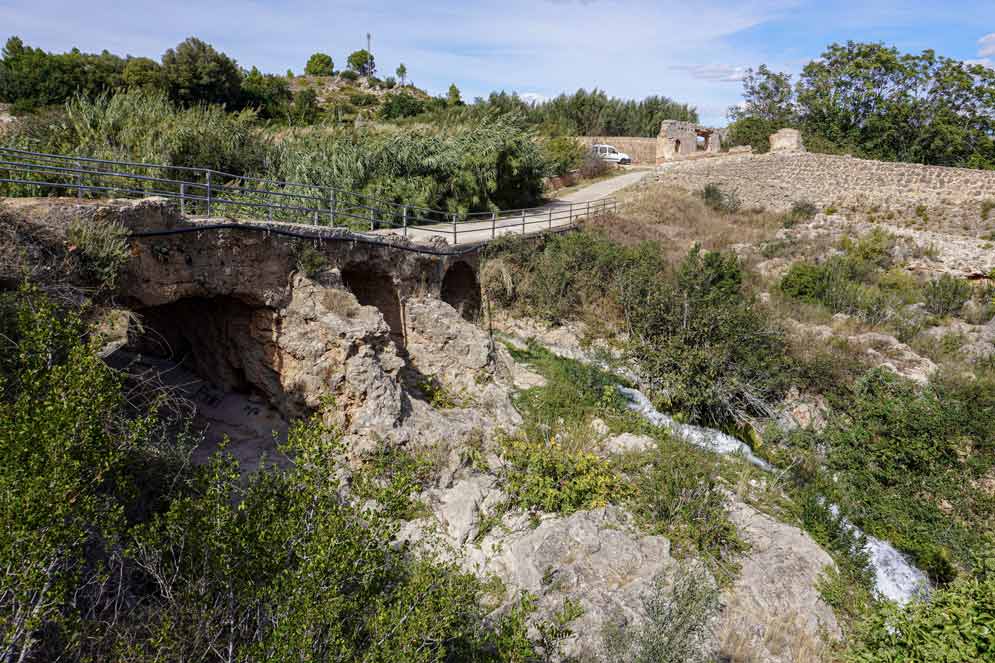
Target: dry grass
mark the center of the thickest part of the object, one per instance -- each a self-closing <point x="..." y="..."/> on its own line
<point x="782" y="635"/>
<point x="679" y="220"/>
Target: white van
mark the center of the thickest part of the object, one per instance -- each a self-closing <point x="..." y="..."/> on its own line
<point x="609" y="153"/>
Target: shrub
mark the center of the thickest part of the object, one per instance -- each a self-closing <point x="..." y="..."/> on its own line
<point x="400" y="105"/>
<point x="592" y="167"/>
<point x="680" y="611"/>
<point x="677" y="493"/>
<point x="719" y="200"/>
<point x="362" y="99"/>
<point x="563" y="154"/>
<point x="901" y="453"/>
<point x="800" y="211"/>
<point x="700" y="342"/>
<point x="543" y="476"/>
<point x="103" y="245"/>
<point x="946" y="295"/>
<point x="806" y="282"/>
<point x="349" y="75"/>
<point x="955" y="624"/>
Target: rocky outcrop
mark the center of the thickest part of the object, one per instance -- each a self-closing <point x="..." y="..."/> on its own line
<point x="596" y="559"/>
<point x="774" y="611"/>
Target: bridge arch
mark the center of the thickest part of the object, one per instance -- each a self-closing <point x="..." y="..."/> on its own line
<point x="461" y="290"/>
<point x="375" y="288"/>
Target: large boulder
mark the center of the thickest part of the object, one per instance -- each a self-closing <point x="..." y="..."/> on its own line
<point x="774" y="611"/>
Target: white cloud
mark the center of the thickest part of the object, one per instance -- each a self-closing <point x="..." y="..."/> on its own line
<point x="725" y="73"/>
<point x="986" y="45"/>
<point x="984" y="62"/>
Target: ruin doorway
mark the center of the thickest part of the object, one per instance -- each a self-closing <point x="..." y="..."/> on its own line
<point x="372" y="288"/>
<point x="461" y="290"/>
<point x="677" y="147"/>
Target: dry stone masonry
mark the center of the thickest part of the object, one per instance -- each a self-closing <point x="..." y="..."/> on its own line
<point x="778" y="179"/>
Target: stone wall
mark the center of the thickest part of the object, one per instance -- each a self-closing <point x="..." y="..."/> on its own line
<point x="776" y="180"/>
<point x="642" y="150"/>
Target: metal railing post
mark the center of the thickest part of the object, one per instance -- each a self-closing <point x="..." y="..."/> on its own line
<point x="208" y="194"/>
<point x="372" y="220"/>
<point x="587" y="215"/>
<point x="550" y="218"/>
<point x="79" y="183"/>
<point x="455" y="240"/>
<point x="331" y="207"/>
<point x="493" y="225"/>
<point x="404" y="220"/>
<point x="183" y="198"/>
<point x="523" y="222"/>
<point x="571" y="214"/>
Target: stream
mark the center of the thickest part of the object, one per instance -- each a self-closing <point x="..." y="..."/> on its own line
<point x="895" y="578"/>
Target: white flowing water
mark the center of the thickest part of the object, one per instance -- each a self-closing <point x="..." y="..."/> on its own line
<point x="895" y="578"/>
<point x="706" y="438"/>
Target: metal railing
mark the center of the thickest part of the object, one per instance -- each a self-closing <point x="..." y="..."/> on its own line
<point x="204" y="192"/>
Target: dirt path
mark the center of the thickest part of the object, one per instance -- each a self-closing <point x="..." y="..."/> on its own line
<point x="551" y="215"/>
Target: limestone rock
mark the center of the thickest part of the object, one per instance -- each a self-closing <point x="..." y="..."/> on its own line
<point x="628" y="442"/>
<point x="888" y="352"/>
<point x="592" y="557"/>
<point x="774" y="611"/>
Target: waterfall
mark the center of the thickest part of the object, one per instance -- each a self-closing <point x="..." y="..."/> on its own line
<point x="895" y="578"/>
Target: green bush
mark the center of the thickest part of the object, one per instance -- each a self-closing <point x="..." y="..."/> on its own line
<point x="955" y="624"/>
<point x="541" y="475"/>
<point x="399" y="105"/>
<point x="902" y="454"/>
<point x="701" y="343"/>
<point x="719" y="200"/>
<point x="946" y="295"/>
<point x="103" y="245"/>
<point x="563" y="154"/>
<point x="677" y="493"/>
<point x="801" y="211"/>
<point x="349" y="75"/>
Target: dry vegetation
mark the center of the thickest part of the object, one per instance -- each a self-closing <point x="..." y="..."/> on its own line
<point x="679" y="220"/>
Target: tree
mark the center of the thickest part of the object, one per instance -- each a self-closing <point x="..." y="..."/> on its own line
<point x="319" y="64"/>
<point x="883" y="104"/>
<point x="362" y="63"/>
<point x="768" y="105"/>
<point x="402" y="73"/>
<point x="399" y="105"/>
<point x="767" y="95"/>
<point x="453" y="97"/>
<point x="143" y="73"/>
<point x="196" y="73"/>
<point x="305" y="109"/>
<point x="268" y="93"/>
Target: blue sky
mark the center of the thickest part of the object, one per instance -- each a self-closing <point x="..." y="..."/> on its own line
<point x="690" y="51"/>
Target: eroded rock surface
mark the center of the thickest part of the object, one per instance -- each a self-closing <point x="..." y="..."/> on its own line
<point x="774" y="610"/>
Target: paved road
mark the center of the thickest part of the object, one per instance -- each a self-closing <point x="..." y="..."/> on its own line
<point x="555" y="214"/>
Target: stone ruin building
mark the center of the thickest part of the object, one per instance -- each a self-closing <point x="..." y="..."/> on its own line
<point x="680" y="140"/>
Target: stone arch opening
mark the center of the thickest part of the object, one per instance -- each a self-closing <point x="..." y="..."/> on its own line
<point x="677" y="147"/>
<point x="372" y="288"/>
<point x="461" y="290"/>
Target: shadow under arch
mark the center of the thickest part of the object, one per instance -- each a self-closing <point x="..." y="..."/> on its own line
<point x="461" y="290"/>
